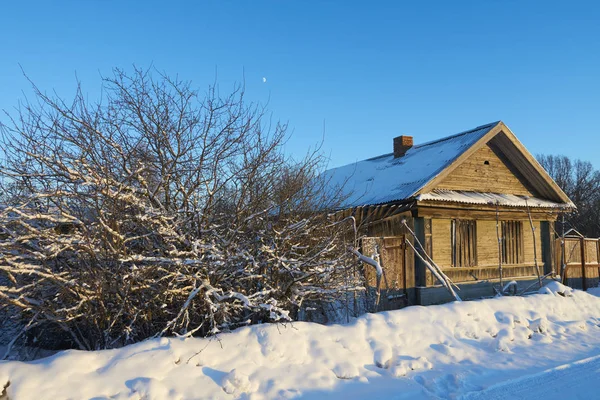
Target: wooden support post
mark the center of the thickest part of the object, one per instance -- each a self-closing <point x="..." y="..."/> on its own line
<point x="499" y="238"/>
<point x="404" y="267"/>
<point x="535" y="260"/>
<point x="562" y="257"/>
<point x="598" y="258"/>
<point x="546" y="242"/>
<point x="583" y="278"/>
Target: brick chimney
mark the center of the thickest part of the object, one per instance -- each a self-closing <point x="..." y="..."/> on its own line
<point x="402" y="144"/>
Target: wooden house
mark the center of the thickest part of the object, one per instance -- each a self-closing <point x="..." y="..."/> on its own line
<point x="476" y="202"/>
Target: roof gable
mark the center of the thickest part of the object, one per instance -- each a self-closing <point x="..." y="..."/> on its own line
<point x="487" y="170"/>
<point x="386" y="179"/>
<point x="501" y="138"/>
<point x="528" y="166"/>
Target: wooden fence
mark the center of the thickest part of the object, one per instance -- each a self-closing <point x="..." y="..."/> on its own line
<point x="577" y="260"/>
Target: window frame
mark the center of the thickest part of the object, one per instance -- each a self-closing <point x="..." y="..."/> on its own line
<point x="463" y="240"/>
<point x="513" y="243"/>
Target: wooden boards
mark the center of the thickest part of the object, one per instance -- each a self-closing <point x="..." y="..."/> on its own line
<point x="484" y="171"/>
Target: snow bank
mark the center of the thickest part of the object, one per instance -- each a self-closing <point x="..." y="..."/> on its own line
<point x="437" y="351"/>
<point x="556" y="288"/>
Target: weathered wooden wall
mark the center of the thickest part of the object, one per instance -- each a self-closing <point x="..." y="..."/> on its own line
<point x="487" y="252"/>
<point x="487" y="244"/>
<point x="528" y="237"/>
<point x="441" y="246"/>
<point x="432" y="225"/>
<point x="573" y="251"/>
<point x="391" y="226"/>
<point x="392" y="260"/>
<point x="392" y="257"/>
<point x="573" y="273"/>
<point x="388" y="234"/>
<point x="495" y="176"/>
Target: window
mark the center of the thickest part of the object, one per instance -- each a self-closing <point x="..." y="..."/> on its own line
<point x="464" y="245"/>
<point x="512" y="242"/>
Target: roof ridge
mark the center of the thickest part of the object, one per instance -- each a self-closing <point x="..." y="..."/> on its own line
<point x="377" y="157"/>
<point x="456" y="135"/>
<point x="435" y="141"/>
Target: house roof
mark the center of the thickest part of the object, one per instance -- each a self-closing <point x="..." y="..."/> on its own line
<point x="386" y="179"/>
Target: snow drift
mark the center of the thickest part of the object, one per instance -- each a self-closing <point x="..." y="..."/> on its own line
<point x="428" y="352"/>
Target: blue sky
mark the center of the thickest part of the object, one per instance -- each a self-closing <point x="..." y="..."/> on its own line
<point x="358" y="73"/>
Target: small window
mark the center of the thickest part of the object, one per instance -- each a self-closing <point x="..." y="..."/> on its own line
<point x="464" y="246"/>
<point x="512" y="242"/>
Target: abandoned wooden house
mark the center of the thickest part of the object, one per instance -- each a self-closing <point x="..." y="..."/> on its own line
<point x="477" y="203"/>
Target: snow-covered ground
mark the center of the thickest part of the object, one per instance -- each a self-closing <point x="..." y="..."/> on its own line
<point x="541" y="346"/>
<point x="576" y="380"/>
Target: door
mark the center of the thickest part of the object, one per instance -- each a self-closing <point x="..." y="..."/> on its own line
<point x="390" y="252"/>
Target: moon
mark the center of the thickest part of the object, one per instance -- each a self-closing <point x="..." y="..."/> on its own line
<point x="264" y="80"/>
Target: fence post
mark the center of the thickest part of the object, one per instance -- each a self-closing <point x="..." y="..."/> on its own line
<point x="598" y="258"/>
<point x="403" y="248"/>
<point x="582" y="245"/>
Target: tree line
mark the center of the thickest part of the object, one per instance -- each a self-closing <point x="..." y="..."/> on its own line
<point x="581" y="182"/>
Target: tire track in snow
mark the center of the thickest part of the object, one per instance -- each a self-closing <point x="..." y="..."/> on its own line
<point x="576" y="380"/>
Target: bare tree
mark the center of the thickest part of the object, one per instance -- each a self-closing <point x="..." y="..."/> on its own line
<point x="160" y="210"/>
<point x="581" y="183"/>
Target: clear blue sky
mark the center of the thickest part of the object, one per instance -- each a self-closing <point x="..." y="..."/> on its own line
<point x="361" y="72"/>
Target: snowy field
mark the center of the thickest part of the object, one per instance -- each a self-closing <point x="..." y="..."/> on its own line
<point x="542" y="346"/>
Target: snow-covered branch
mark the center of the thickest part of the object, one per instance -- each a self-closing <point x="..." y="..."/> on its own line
<point x="160" y="212"/>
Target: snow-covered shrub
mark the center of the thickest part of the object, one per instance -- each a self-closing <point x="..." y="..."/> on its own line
<point x="159" y="212"/>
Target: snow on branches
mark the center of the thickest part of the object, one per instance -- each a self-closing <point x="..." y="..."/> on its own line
<point x="159" y="212"/>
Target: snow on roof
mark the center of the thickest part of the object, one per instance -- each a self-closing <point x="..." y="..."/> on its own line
<point x="510" y="200"/>
<point x="385" y="179"/>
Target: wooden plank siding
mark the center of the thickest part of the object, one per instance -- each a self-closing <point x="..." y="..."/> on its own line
<point x="487" y="243"/>
<point x="507" y="144"/>
<point x="591" y="247"/>
<point x="441" y="244"/>
<point x="429" y="209"/>
<point x="528" y="242"/>
<point x="485" y="171"/>
<point x="393" y="227"/>
<point x="523" y="165"/>
<point x="487" y="252"/>
<point x="391" y="253"/>
<point x="573" y="275"/>
<point x="573" y="251"/>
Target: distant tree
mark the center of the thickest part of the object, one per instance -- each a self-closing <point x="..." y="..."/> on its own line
<point x="160" y="210"/>
<point x="581" y="183"/>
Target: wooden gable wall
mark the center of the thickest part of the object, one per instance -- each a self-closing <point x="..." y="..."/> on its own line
<point x="495" y="176"/>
